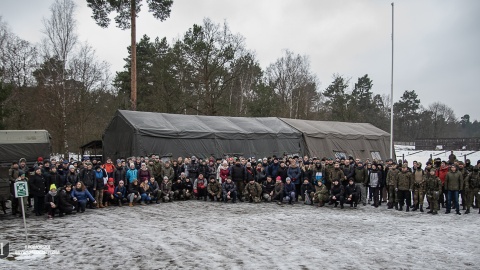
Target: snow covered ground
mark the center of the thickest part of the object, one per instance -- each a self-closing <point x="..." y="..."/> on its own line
<point x="200" y="235"/>
<point x="411" y="154"/>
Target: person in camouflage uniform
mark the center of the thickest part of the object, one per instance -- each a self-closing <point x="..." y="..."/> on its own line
<point x="166" y="189"/>
<point x="392" y="194"/>
<point x="472" y="187"/>
<point x="403" y="187"/>
<point x="214" y="189"/>
<point x="433" y="189"/>
<point x="418" y="188"/>
<point x="336" y="173"/>
<point x="321" y="194"/>
<point x="253" y="191"/>
<point x="453" y="184"/>
<point x="361" y="178"/>
<point x="329" y="167"/>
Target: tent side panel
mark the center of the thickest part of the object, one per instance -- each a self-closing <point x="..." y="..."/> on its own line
<point x="118" y="139"/>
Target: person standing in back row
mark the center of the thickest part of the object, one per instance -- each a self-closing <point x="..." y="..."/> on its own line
<point x="453" y="184"/>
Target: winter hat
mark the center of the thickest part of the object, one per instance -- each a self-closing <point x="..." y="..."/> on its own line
<point x="110" y="180"/>
<point x="225" y="163"/>
<point x="21" y="172"/>
<point x="165" y="178"/>
<point x="65" y="161"/>
<point x="22" y="160"/>
<point x="52" y="186"/>
<point x="71" y="167"/>
<point x="36" y="168"/>
<point x="288" y="179"/>
<point x="119" y="161"/>
<point x="40" y="159"/>
<point x="279" y="178"/>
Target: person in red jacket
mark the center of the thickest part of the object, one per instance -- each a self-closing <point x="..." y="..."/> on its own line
<point x="109" y="167"/>
<point x="442" y="173"/>
<point x="108" y="192"/>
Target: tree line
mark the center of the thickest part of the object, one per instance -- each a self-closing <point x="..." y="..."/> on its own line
<point x="62" y="85"/>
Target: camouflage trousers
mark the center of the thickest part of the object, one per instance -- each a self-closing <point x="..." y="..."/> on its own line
<point x="432" y="199"/>
<point x="472" y="194"/>
<point x="320" y="197"/>
<point x="392" y="195"/>
<point x="418" y="196"/>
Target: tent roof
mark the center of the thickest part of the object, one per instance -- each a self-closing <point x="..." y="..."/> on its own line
<point x="323" y="129"/>
<point x="179" y="125"/>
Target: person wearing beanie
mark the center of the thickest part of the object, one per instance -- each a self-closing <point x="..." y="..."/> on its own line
<point x="99" y="185"/>
<point x="52" y="201"/>
<point x="308" y="191"/>
<point x="165" y="190"/>
<point x="200" y="187"/>
<point x="108" y="192"/>
<point x="120" y="193"/>
<point x="337" y="194"/>
<point x="223" y="171"/>
<point x="321" y="194"/>
<point x="214" y="189"/>
<point x="66" y="204"/>
<point x="38" y="189"/>
<point x="289" y="190"/>
<point x="352" y="193"/>
<point x="229" y="190"/>
<point x="253" y="191"/>
<point x="278" y="190"/>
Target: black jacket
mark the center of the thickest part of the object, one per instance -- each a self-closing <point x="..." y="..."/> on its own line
<point x="237" y="172"/>
<point x="38" y="185"/>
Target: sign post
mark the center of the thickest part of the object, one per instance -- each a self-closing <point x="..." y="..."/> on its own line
<point x="21" y="190"/>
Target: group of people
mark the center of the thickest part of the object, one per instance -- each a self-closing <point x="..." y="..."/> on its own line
<point x="68" y="187"/>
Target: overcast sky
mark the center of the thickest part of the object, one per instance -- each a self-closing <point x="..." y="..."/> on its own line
<point x="437" y="42"/>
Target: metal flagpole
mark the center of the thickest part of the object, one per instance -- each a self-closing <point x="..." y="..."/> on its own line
<point x="391" y="100"/>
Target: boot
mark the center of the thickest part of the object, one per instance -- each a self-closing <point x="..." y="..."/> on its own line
<point x="341" y="206"/>
<point x="106" y="204"/>
<point x="396" y="206"/>
<point x="336" y="204"/>
<point x="479" y="210"/>
<point x="434" y="212"/>
<point x="390" y="205"/>
<point x="429" y="212"/>
<point x="400" y="208"/>
<point x="130" y="204"/>
<point x="408" y="209"/>
<point x="421" y="208"/>
<point x="321" y="204"/>
<point x="101" y="205"/>
<point x="464" y="208"/>
<point x="414" y="208"/>
<point x="468" y="210"/>
<point x="458" y="213"/>
<point x="443" y="205"/>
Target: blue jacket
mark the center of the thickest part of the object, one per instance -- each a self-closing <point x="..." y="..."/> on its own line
<point x="295" y="175"/>
<point x="273" y="170"/>
<point x="122" y="190"/>
<point x="288" y="188"/>
<point x="82" y="196"/>
<point x="131" y="174"/>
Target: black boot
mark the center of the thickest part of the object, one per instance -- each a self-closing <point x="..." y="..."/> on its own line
<point x="458" y="212"/>
<point x="429" y="212"/>
<point x="414" y="208"/>
<point x="421" y="208"/>
<point x="400" y="208"/>
<point x="408" y="209"/>
<point x="428" y="207"/>
<point x="468" y="210"/>
<point x="396" y="206"/>
<point x="390" y="205"/>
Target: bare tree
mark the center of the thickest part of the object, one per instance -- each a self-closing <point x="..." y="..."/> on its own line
<point x="291" y="78"/>
<point x="61" y="39"/>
